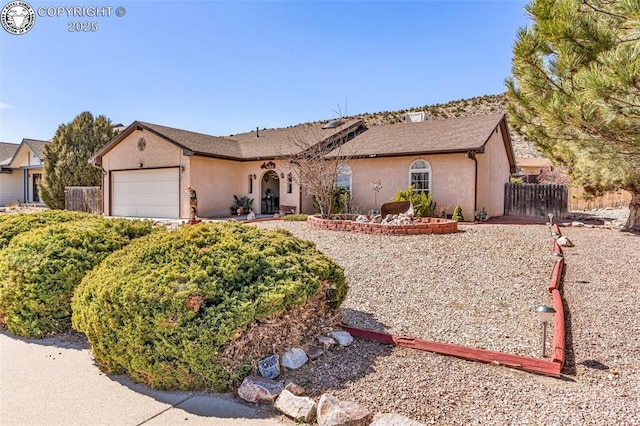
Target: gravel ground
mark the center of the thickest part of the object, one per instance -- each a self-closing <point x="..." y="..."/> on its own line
<point x="479" y="288"/>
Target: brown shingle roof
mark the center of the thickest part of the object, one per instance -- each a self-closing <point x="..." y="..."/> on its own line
<point x="431" y="136"/>
<point x="6" y="152"/>
<point x="36" y="146"/>
<point x="288" y="140"/>
<point x="198" y="143"/>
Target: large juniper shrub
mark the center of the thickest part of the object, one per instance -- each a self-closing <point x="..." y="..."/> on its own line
<point x="40" y="269"/>
<point x="14" y="224"/>
<point x="163" y="308"/>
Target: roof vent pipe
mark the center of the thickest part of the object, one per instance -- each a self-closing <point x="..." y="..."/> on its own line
<point x="257" y="132"/>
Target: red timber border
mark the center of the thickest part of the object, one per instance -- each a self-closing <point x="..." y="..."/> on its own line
<point x="534" y="365"/>
<point x="420" y="226"/>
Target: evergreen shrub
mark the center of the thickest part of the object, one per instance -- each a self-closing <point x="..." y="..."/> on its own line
<point x="457" y="214"/>
<point x="163" y="308"/>
<point x="14" y="224"/>
<point x="295" y="217"/>
<point x="40" y="269"/>
<point x="423" y="204"/>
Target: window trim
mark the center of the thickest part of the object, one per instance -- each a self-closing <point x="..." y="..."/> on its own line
<point x="346" y="172"/>
<point x="426" y="169"/>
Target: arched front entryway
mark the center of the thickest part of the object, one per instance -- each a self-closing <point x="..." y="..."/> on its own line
<point x="269" y="192"/>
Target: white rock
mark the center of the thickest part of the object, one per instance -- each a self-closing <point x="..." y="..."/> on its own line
<point x="342" y="337"/>
<point x="326" y="342"/>
<point x="361" y="219"/>
<point x="577" y="224"/>
<point x="564" y="242"/>
<point x="294" y="359"/>
<point x="300" y="408"/>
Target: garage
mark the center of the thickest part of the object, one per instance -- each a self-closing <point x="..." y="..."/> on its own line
<point x="152" y="193"/>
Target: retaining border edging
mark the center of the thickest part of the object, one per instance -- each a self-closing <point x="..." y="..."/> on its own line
<point x="421" y="226"/>
<point x="551" y="367"/>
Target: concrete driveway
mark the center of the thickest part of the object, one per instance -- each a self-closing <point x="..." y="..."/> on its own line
<point x="55" y="382"/>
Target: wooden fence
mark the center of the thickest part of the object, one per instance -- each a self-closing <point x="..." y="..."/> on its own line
<point x="610" y="199"/>
<point x="83" y="199"/>
<point x="527" y="199"/>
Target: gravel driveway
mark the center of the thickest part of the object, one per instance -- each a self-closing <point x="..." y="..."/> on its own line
<point x="479" y="288"/>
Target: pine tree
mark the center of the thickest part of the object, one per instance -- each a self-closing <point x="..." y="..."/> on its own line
<point x="575" y="91"/>
<point x="67" y="156"/>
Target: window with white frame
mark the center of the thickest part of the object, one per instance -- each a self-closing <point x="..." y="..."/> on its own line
<point x="420" y="175"/>
<point x="344" y="177"/>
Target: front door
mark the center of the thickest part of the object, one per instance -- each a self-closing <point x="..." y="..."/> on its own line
<point x="37" y="178"/>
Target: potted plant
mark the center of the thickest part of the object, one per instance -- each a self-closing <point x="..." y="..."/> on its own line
<point x="241" y="205"/>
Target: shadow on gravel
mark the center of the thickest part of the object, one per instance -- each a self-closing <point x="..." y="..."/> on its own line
<point x="569" y="366"/>
<point x="342" y="366"/>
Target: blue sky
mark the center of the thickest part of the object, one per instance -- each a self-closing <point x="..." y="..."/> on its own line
<point x="224" y="67"/>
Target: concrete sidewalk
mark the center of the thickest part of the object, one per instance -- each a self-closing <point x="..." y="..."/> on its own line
<point x="54" y="382"/>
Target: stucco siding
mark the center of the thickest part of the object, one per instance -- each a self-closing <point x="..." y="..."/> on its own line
<point x="157" y="153"/>
<point x="11" y="187"/>
<point x="452" y="180"/>
<point x="493" y="173"/>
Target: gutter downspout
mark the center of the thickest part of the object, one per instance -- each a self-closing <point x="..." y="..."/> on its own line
<point x="472" y="156"/>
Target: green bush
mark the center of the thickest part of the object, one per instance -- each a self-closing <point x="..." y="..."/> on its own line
<point x="295" y="217"/>
<point x="457" y="214"/>
<point x="423" y="204"/>
<point x="162" y="308"/>
<point x="340" y="201"/>
<point x="14" y="224"/>
<point x="40" y="269"/>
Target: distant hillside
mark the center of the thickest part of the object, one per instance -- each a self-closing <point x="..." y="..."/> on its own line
<point x="480" y="105"/>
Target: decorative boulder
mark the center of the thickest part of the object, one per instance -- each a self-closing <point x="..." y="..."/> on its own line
<point x="343" y="338"/>
<point x="299" y="408"/>
<point x="333" y="412"/>
<point x="258" y="389"/>
<point x="294" y="359"/>
<point x="269" y="367"/>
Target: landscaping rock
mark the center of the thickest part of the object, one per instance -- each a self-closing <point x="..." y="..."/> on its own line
<point x="294" y="359"/>
<point x="326" y="342"/>
<point x="300" y="408"/>
<point x="577" y="224"/>
<point x="564" y="242"/>
<point x="313" y="351"/>
<point x="333" y="412"/>
<point x="361" y="219"/>
<point x="342" y="337"/>
<point x="381" y="419"/>
<point x="258" y="389"/>
<point x="269" y="367"/>
<point x="295" y="389"/>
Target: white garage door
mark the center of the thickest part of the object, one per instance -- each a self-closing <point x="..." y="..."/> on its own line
<point x="146" y="193"/>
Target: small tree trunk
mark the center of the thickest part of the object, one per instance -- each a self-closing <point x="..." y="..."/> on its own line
<point x="633" y="222"/>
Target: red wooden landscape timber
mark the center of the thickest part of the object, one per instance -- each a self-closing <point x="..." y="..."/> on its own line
<point x="533" y="365"/>
<point x="558" y="329"/>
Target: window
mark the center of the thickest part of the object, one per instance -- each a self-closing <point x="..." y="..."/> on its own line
<point x="289" y="183"/>
<point x="420" y="175"/>
<point x="344" y="177"/>
<point x="250" y="184"/>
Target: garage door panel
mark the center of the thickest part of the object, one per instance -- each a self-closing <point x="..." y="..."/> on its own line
<point x="146" y="193"/>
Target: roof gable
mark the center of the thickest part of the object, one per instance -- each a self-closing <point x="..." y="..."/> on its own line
<point x="35" y="146"/>
<point x="7" y="151"/>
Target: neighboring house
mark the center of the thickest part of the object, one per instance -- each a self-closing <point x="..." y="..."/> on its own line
<point x="21" y="171"/>
<point x="530" y="168"/>
<point x="147" y="167"/>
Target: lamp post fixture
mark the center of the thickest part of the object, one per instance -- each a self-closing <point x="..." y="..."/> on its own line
<point x="545" y="313"/>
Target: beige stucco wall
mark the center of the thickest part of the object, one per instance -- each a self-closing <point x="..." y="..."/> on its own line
<point x="216" y="181"/>
<point x="452" y="180"/>
<point x="493" y="173"/>
<point x="157" y="153"/>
